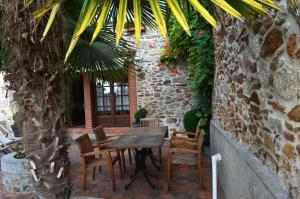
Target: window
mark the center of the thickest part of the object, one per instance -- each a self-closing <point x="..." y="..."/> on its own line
<point x="112" y="98"/>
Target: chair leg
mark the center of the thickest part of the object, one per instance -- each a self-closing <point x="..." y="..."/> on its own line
<point x="120" y="164"/>
<point x="123" y="160"/>
<point x="199" y="170"/>
<point x="94" y="172"/>
<point x="84" y="176"/>
<point x="129" y="155"/>
<point x="112" y="174"/>
<point x="169" y="168"/>
<point x="160" y="158"/>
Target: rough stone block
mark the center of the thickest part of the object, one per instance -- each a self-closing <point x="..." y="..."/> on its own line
<point x="272" y="42"/>
<point x="241" y="174"/>
<point x="16" y="174"/>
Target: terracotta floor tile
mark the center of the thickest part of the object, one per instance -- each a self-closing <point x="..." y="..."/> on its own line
<point x="185" y="182"/>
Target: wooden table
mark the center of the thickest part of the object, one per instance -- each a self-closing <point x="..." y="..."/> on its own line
<point x="141" y="140"/>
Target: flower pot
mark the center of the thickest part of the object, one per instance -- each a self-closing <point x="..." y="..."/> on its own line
<point x="16" y="131"/>
<point x="16" y="174"/>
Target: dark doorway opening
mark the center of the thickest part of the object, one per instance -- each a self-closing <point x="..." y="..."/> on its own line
<point x="78" y="117"/>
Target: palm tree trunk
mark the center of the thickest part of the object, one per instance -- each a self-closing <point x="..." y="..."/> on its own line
<point x="36" y="72"/>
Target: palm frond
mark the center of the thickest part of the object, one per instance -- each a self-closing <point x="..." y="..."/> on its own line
<point x="50" y="20"/>
<point x="160" y="21"/>
<point x="121" y="20"/>
<point x="176" y="10"/>
<point x="138" y="19"/>
<point x="104" y="12"/>
<point x="150" y="13"/>
<point x="102" y="59"/>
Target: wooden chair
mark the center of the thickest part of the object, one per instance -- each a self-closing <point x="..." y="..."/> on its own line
<point x="89" y="159"/>
<point x="193" y="136"/>
<point x="104" y="140"/>
<point x="184" y="152"/>
<point x="152" y="122"/>
<point x="149" y="122"/>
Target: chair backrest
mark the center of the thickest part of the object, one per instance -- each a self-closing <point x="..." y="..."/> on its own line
<point x="198" y="131"/>
<point x="99" y="133"/>
<point x="200" y="140"/>
<point x="85" y="146"/>
<point x="149" y="122"/>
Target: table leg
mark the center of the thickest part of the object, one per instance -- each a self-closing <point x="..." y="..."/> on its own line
<point x="153" y="159"/>
<point x="140" y="165"/>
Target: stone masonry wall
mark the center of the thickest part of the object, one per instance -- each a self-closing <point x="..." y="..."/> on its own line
<point x="257" y="90"/>
<point x="163" y="91"/>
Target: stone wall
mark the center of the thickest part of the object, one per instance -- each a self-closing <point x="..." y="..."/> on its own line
<point x="257" y="90"/>
<point x="163" y="91"/>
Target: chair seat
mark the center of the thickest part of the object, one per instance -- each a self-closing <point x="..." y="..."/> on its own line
<point x="184" y="159"/>
<point x="97" y="162"/>
<point x="101" y="161"/>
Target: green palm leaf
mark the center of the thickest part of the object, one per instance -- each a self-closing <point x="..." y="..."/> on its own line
<point x="121" y="19"/>
<point x="102" y="59"/>
<point x="160" y="21"/>
<point x="50" y="20"/>
<point x="104" y="12"/>
<point x="176" y="10"/>
<point x="151" y="10"/>
<point x="138" y="20"/>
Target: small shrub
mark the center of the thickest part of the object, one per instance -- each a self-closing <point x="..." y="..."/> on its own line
<point x="190" y="120"/>
<point x="141" y="113"/>
<point x="20" y="153"/>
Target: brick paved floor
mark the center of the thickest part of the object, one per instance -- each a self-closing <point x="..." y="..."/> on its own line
<point x="184" y="183"/>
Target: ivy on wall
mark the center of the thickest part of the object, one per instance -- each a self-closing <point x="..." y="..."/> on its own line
<point x="198" y="52"/>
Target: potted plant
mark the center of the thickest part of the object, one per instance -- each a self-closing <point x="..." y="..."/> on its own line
<point x="16" y="172"/>
<point x="141" y="113"/>
<point x="14" y="127"/>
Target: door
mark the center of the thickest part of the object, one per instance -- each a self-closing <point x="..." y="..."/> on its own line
<point x="112" y="104"/>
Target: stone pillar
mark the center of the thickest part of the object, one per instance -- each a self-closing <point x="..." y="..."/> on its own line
<point x="88" y="108"/>
<point x="132" y="93"/>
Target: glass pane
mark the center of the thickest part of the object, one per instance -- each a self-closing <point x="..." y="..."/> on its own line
<point x="107" y="108"/>
<point x="98" y="82"/>
<point x="126" y="108"/>
<point x="125" y="100"/>
<point x="125" y="90"/>
<point x="107" y="101"/>
<point x="106" y="91"/>
<point x="117" y="90"/>
<point x="105" y="84"/>
<point x="118" y="108"/>
<point x="100" y="101"/>
<point x="99" y="108"/>
<point x="118" y="100"/>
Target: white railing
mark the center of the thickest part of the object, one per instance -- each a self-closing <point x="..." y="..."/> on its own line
<point x="214" y="160"/>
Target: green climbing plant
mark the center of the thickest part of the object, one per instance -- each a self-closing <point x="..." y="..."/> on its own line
<point x="198" y="52"/>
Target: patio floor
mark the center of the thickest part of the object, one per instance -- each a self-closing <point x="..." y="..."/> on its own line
<point x="184" y="183"/>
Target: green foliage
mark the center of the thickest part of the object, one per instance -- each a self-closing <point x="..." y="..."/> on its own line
<point x="20" y="153"/>
<point x="198" y="52"/>
<point x="190" y="120"/>
<point x="141" y="113"/>
<point x="102" y="59"/>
